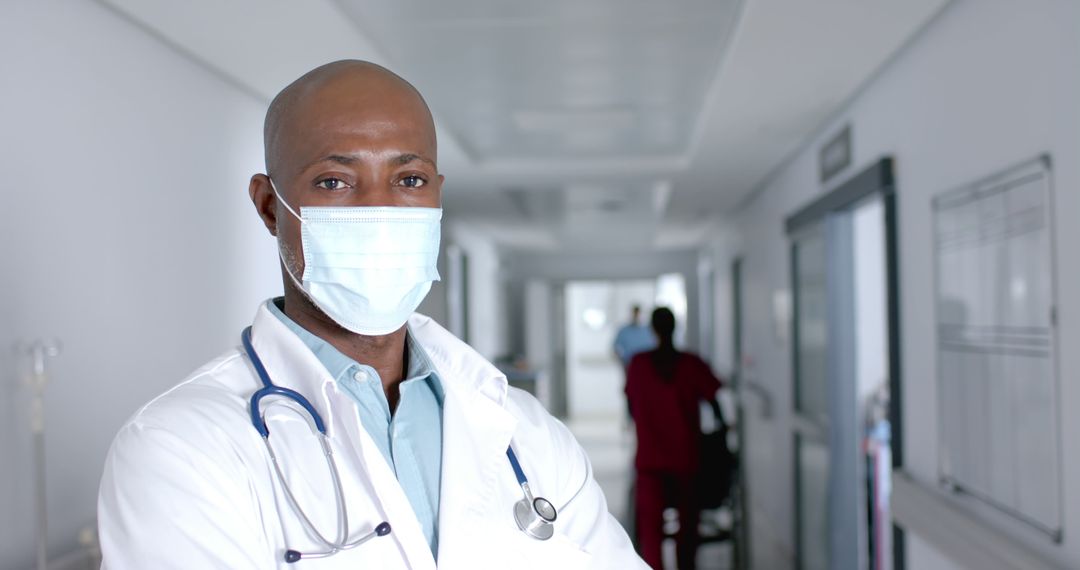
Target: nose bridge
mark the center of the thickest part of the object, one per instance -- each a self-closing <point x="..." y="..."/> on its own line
<point x="375" y="187"/>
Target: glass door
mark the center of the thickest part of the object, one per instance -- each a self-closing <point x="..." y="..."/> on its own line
<point x="811" y="423"/>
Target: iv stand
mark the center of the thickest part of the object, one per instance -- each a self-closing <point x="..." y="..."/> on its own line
<point x="39" y="351"/>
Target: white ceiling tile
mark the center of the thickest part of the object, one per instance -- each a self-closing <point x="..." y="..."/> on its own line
<point x="615" y="96"/>
<point x="610" y="78"/>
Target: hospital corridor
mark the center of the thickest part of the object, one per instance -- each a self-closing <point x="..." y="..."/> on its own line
<point x="596" y="284"/>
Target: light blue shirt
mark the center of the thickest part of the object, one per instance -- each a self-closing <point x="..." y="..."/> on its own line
<point x="632" y="339"/>
<point x="410" y="438"/>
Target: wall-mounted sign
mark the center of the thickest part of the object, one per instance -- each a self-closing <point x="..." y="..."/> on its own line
<point x="999" y="395"/>
<point x="835" y="155"/>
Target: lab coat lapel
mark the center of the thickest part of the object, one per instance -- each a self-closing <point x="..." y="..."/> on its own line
<point x="291" y="365"/>
<point x="476" y="433"/>
<point x="477" y="429"/>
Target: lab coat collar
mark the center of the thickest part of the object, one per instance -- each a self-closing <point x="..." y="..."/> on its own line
<point x="456" y="362"/>
<point x="292" y="365"/>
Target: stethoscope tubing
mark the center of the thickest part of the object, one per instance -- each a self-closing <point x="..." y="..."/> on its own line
<point x="541" y="512"/>
<point x="270" y="389"/>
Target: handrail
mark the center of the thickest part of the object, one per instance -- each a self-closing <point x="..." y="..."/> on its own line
<point x="956" y="533"/>
<point x="761" y="392"/>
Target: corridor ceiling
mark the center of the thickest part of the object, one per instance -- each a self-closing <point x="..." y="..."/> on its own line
<point x="595" y="124"/>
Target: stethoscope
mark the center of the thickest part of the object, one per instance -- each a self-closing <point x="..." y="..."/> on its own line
<point x="534" y="515"/>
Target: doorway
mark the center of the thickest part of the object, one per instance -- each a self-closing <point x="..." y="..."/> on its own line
<point x="592" y="313"/>
<point x="845" y="373"/>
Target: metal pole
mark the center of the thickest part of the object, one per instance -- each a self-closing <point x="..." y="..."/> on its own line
<point x="40" y="501"/>
<point x="39" y="351"/>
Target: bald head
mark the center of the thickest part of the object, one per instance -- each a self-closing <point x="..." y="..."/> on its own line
<point x="343" y="94"/>
<point x="349" y="134"/>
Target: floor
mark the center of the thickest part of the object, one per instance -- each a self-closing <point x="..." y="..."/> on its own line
<point x="609" y="442"/>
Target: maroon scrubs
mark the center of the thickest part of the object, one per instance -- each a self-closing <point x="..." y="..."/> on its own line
<point x="667" y="419"/>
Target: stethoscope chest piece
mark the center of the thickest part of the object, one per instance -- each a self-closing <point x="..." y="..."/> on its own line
<point x="534" y="517"/>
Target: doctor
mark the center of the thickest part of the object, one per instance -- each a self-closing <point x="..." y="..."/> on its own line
<point x="428" y="458"/>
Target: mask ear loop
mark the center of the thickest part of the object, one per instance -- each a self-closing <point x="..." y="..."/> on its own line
<point x="282" y="200"/>
<point x="288" y="270"/>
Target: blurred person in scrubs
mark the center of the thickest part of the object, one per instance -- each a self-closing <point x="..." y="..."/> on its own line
<point x="633" y="337"/>
<point x="664" y="388"/>
<point x="428" y="459"/>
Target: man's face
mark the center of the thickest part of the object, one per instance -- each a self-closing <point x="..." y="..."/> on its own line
<point x="353" y="141"/>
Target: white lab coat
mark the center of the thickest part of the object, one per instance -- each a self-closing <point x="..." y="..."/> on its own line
<point x="189" y="484"/>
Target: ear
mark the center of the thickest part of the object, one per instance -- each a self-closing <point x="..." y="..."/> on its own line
<point x="262" y="196"/>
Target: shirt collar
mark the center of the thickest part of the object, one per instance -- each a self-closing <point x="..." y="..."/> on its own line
<point x="337" y="364"/>
<point x="420" y="366"/>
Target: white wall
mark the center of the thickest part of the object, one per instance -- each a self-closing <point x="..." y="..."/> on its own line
<point x="127" y="233"/>
<point x="437" y="302"/>
<point x="594" y="376"/>
<point x="487" y="316"/>
<point x="871" y="300"/>
<point x="520" y="266"/>
<point x="719" y="253"/>
<point x="986" y="85"/>
<point x="540" y="336"/>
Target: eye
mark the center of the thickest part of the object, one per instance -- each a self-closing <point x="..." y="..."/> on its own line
<point x="413" y="182"/>
<point x="331" y="184"/>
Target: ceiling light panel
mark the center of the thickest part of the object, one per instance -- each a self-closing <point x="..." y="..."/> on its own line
<point x="556" y="79"/>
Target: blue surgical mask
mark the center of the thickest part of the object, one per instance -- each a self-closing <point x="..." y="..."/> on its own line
<point x="367" y="268"/>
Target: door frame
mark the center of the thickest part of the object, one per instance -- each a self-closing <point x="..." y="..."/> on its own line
<point x="877" y="179"/>
<point x="741" y="552"/>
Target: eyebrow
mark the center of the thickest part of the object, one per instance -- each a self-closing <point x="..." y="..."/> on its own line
<point x="338" y="158"/>
<point x="399" y="160"/>
<point x="403" y="159"/>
